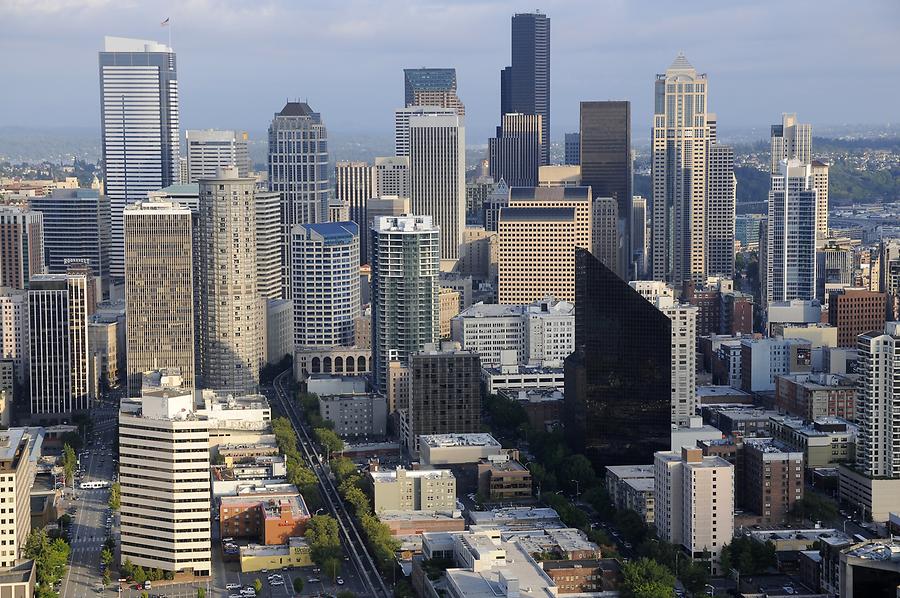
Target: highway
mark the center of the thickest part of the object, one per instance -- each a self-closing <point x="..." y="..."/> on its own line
<point x="350" y="536"/>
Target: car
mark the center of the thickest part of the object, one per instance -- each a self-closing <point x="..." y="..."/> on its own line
<point x="628" y="545"/>
<point x="147" y="585"/>
<point x="276" y="582"/>
<point x="340" y="581"/>
<point x="235" y="596"/>
<point x="232" y="586"/>
<point x="312" y="580"/>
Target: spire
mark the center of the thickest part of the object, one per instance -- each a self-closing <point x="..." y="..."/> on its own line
<point x="681" y="63"/>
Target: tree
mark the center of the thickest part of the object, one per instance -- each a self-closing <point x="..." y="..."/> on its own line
<point x="645" y="578"/>
<point x="145" y="595"/>
<point x="257" y="586"/>
<point x="330" y="441"/>
<point x="69" y="462"/>
<point x="346" y="594"/>
<point x="331" y="567"/>
<point x="748" y="556"/>
<point x="105" y="578"/>
<point x="106" y="556"/>
<point x="138" y="574"/>
<point x="64" y="521"/>
<point x="298" y="585"/>
<point x="322" y="535"/>
<point x="201" y="593"/>
<point x="115" y="496"/>
<point x="127" y="569"/>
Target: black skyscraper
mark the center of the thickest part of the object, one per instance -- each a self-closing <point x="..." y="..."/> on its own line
<point x="606" y="158"/>
<point x="618" y="381"/>
<point x="525" y="86"/>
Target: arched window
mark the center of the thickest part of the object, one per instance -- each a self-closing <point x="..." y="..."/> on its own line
<point x="339" y="365"/>
<point x="361" y="363"/>
<point x="316" y="366"/>
<point x="326" y="365"/>
<point x="351" y="365"/>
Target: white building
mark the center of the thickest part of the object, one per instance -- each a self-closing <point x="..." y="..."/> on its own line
<point x="325" y="281"/>
<point x="791" y="234"/>
<point x="164" y="479"/>
<point x="694" y="501"/>
<point x="355" y="414"/>
<point x="455" y="449"/>
<point x="413" y="490"/>
<point x="764" y="359"/>
<point x="20" y="449"/>
<point x="401" y="127"/>
<point x="139" y="127"/>
<point x="391" y="176"/>
<point x="14" y="329"/>
<point x="208" y="151"/>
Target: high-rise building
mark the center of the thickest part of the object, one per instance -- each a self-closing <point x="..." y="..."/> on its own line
<point x="605" y="233"/>
<point x="639" y="235"/>
<point x="14" y="327"/>
<point x="720" y="211"/>
<point x="515" y="153"/>
<point x="578" y="198"/>
<point x="536" y="256"/>
<point x="606" y="165"/>
<point x="165" y="509"/>
<point x="391" y="177"/>
<point x="59" y="310"/>
<point x="298" y="170"/>
<point x="325" y="277"/>
<point x="790" y="140"/>
<point x="355" y="184"/>
<point x="572" y="149"/>
<point x="854" y="311"/>
<point x="444" y="394"/>
<point x="437" y="175"/>
<point x="76" y="229"/>
<point x="820" y="182"/>
<point x="679" y="145"/>
<point x="773" y="478"/>
<point x="22" y="240"/>
<point x="159" y="291"/>
<point x="432" y="87"/>
<point x="139" y="128"/>
<point x="401" y="124"/>
<point x="20" y="449"/>
<point x="525" y="85"/>
<point x="791" y="234"/>
<point x="618" y="380"/>
<point x="231" y="311"/>
<point x="405" y="258"/>
<point x="694" y="499"/>
<point x="208" y="151"/>
<point x="269" y="245"/>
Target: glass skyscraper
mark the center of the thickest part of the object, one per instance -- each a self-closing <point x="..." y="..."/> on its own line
<point x="618" y="380"/>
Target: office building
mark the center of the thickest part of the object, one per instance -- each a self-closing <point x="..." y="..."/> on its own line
<point x="773" y="478"/>
<point x="298" y="170"/>
<point x="405" y="261"/>
<point x="325" y="279"/>
<point x="639" y="236"/>
<point x="559" y="175"/>
<point x="165" y="519"/>
<point x="618" y="381"/>
<point x="578" y="198"/>
<point x="515" y="153"/>
<point x="354" y="186"/>
<point x="536" y="256"/>
<point x="457" y="449"/>
<point x="855" y="311"/>
<point x="791" y="235"/>
<point x="764" y="359"/>
<point x="747" y="230"/>
<point x="572" y="149"/>
<point x="59" y="310"/>
<point x="835" y="266"/>
<point x="354" y="415"/>
<point x="720" y="210"/>
<point x="790" y="140"/>
<point x="139" y="128"/>
<point x="76" y="229"/>
<point x="606" y="164"/>
<point x="819" y="172"/>
<point x="694" y="499"/>
<point x="402" y="117"/>
<point x="824" y="441"/>
<point x="525" y="84"/>
<point x="413" y="490"/>
<point x="272" y="515"/>
<point x="631" y="487"/>
<point x="432" y="87"/>
<point x="437" y="176"/>
<point x="20" y="450"/>
<point x="14" y="330"/>
<point x="269" y="245"/>
<point x="391" y="177"/>
<point x="679" y="145"/>
<point x="22" y="239"/>
<point x="209" y="151"/>
<point x="231" y="311"/>
<point x="159" y="291"/>
<point x="814" y="396"/>
<point x="605" y="234"/>
<point x="444" y="394"/>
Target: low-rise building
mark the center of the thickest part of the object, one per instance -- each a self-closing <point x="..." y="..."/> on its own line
<point x="773" y="478"/>
<point x="256" y="557"/>
<point x="268" y="515"/>
<point x="631" y="487"/>
<point x="562" y="543"/>
<point x="870" y="569"/>
<point x="815" y="395"/>
<point x="542" y="405"/>
<point x="456" y="449"/>
<point x="351" y="361"/>
<point x="512" y="376"/>
<point x="692" y="433"/>
<point x="355" y="414"/>
<point x="413" y="523"/>
<point x="584" y="576"/>
<point x="738" y="420"/>
<point x="825" y="442"/>
<point x="413" y="490"/>
<point x="764" y="359"/>
<point x="714" y="395"/>
<point x="511" y="519"/>
<point x="502" y="479"/>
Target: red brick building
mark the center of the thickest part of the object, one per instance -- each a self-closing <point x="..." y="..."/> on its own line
<point x="265" y="517"/>
<point x="855" y="311"/>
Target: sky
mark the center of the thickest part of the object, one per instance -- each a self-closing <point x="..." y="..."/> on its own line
<point x="832" y="61"/>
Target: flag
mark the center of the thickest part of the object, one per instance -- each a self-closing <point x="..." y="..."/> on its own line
<point x="164" y="23"/>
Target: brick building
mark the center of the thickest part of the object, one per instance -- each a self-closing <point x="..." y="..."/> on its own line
<point x="855" y="311"/>
<point x="268" y="517"/>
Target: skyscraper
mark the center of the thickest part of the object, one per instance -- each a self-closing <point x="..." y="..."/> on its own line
<point x="59" y="309"/>
<point x="401" y="124"/>
<point x="405" y="259"/>
<point x="679" y="146"/>
<point x="298" y="170"/>
<point x="790" y="140"/>
<point x="791" y="234"/>
<point x="269" y="245"/>
<point x="22" y="240"/>
<point x="515" y="153"/>
<point x="354" y="186"/>
<point x="720" y="211"/>
<point x="209" y="150"/>
<point x="432" y="87"/>
<point x="606" y="165"/>
<point x="326" y="292"/>
<point x="139" y="127"/>
<point x="159" y="291"/>
<point x="618" y="380"/>
<point x="76" y="229"/>
<point x="605" y="233"/>
<point x="525" y="85"/>
<point x="391" y="176"/>
<point x="231" y="311"/>
<point x="639" y="235"/>
<point x="573" y="149"/>
<point x="14" y="330"/>
<point x="820" y="182"/>
<point x="437" y="173"/>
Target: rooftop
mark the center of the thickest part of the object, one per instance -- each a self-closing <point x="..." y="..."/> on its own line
<point x="391" y="475"/>
<point x="631" y="471"/>
<point x="452" y="440"/>
<point x="877" y="550"/>
<point x="537" y="214"/>
<point x="581" y="193"/>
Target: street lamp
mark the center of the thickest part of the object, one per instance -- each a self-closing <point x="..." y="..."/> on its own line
<point x="577" y="489"/>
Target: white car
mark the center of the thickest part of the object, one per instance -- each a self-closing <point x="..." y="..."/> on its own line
<point x="233" y="586"/>
<point x="340" y="581"/>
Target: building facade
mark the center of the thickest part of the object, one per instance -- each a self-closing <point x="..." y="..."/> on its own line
<point x="515" y="153"/>
<point x="791" y="234"/>
<point x="22" y="240"/>
<point x="209" y="151"/>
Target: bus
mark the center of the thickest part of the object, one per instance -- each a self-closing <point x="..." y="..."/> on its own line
<point x="93" y="485"/>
